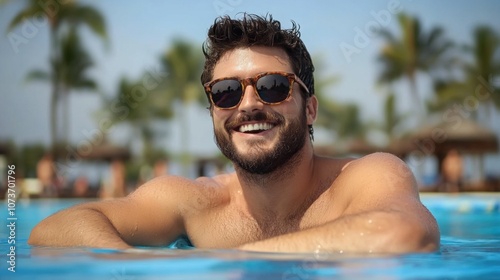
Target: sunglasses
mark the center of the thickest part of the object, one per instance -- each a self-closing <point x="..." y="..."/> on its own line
<point x="272" y="88"/>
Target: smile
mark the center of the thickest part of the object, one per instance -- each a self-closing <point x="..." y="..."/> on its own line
<point x="255" y="127"/>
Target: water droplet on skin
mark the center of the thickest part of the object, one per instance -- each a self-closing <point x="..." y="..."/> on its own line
<point x="136" y="228"/>
<point x="318" y="248"/>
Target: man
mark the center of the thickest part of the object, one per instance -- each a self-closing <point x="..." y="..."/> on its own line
<point x="45" y="175"/>
<point x="282" y="197"/>
<point x="452" y="172"/>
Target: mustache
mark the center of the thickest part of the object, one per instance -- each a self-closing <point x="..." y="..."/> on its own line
<point x="274" y="118"/>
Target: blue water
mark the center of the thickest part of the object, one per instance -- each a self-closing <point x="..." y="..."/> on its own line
<point x="470" y="249"/>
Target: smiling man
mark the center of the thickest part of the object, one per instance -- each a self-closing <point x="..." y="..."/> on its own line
<point x="282" y="197"/>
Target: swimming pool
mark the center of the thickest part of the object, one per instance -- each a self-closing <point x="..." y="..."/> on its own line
<point x="470" y="249"/>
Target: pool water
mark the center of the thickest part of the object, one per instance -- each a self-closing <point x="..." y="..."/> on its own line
<point x="470" y="249"/>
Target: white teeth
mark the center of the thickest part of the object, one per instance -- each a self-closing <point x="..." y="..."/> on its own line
<point x="255" y="126"/>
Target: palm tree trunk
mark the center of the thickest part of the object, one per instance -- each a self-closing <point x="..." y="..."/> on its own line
<point x="415" y="96"/>
<point x="65" y="110"/>
<point x="53" y="121"/>
<point x="147" y="142"/>
<point x="55" y="92"/>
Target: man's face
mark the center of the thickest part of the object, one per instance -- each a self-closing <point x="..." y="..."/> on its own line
<point x="258" y="137"/>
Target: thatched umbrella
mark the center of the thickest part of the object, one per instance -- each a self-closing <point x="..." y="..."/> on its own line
<point x="465" y="136"/>
<point x="107" y="152"/>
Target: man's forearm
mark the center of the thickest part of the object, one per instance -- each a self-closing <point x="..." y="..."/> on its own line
<point x="375" y="232"/>
<point x="83" y="227"/>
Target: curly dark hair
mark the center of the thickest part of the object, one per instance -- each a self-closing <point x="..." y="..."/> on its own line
<point x="252" y="30"/>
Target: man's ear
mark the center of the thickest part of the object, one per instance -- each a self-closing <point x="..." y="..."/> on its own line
<point x="311" y="109"/>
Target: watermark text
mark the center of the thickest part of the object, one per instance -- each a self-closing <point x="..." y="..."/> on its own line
<point x="11" y="218"/>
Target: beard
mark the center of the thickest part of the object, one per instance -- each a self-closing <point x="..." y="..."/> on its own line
<point x="258" y="160"/>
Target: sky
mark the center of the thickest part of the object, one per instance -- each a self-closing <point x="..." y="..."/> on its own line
<point x="141" y="31"/>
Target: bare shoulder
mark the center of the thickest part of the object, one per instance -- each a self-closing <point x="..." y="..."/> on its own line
<point x="161" y="195"/>
<point x="165" y="185"/>
<point x="182" y="190"/>
<point x="380" y="168"/>
<point x="165" y="195"/>
<point x="375" y="160"/>
<point x="377" y="180"/>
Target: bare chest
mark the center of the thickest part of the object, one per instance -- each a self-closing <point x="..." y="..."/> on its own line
<point x="230" y="228"/>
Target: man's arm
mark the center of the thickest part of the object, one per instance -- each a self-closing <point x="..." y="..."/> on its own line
<point x="148" y="216"/>
<point x="384" y="215"/>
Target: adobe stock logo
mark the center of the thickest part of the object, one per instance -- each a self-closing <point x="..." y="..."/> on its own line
<point x="223" y="7"/>
<point x="363" y="37"/>
<point x="31" y="26"/>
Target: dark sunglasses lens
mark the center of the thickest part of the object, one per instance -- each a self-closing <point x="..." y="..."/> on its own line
<point x="273" y="88"/>
<point x="226" y="93"/>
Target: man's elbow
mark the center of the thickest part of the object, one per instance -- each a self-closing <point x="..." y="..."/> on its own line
<point x="36" y="236"/>
<point x="414" y="237"/>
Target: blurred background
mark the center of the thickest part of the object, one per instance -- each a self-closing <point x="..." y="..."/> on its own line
<point x="98" y="97"/>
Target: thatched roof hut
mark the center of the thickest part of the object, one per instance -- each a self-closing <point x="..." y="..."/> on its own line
<point x="465" y="136"/>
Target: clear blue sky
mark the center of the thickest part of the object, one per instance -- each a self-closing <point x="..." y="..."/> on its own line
<point x="140" y="31"/>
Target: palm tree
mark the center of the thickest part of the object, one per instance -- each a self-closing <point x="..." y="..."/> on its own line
<point x="343" y="119"/>
<point x="392" y="119"/>
<point x="183" y="63"/>
<point x="60" y="14"/>
<point x="414" y="51"/>
<point x="486" y="65"/>
<point x="390" y="116"/>
<point x="479" y="74"/>
<point x="138" y="113"/>
<point x="71" y="71"/>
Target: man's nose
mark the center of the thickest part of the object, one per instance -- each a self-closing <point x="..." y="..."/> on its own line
<point x="251" y="101"/>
